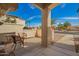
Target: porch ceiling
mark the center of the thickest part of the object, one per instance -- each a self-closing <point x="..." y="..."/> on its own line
<point x="6" y="6"/>
<point x="14" y="6"/>
<point x="45" y="5"/>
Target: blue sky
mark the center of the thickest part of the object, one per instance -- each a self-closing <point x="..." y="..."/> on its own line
<point x="63" y="12"/>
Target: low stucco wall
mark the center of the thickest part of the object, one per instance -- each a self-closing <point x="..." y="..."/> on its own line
<point x="6" y="28"/>
<point x="10" y="28"/>
<point x="30" y="32"/>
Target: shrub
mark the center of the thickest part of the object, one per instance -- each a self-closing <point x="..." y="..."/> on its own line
<point x="1" y="23"/>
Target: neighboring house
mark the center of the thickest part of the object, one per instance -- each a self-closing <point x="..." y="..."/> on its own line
<point x="75" y="28"/>
<point x="15" y="24"/>
<point x="20" y="21"/>
<point x="12" y="18"/>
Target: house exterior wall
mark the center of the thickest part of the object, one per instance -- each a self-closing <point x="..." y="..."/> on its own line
<point x="10" y="28"/>
<point x="20" y="21"/>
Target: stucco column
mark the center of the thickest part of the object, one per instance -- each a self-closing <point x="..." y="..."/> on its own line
<point x="44" y="40"/>
<point x="50" y="30"/>
<point x="46" y="28"/>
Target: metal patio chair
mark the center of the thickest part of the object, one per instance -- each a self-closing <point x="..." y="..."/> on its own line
<point x="7" y="47"/>
<point x="22" y="37"/>
<point x="76" y="43"/>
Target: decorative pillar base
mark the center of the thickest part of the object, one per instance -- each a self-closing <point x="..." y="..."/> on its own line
<point x="50" y="36"/>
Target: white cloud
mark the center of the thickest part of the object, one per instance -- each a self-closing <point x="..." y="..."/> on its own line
<point x="69" y="18"/>
<point x="33" y="17"/>
<point x="63" y="5"/>
<point x="32" y="6"/>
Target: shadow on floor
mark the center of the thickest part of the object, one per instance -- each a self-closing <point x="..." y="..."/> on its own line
<point x="26" y="49"/>
<point x="65" y="46"/>
<point x="59" y="48"/>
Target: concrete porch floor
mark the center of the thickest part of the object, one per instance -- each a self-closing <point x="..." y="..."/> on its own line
<point x="63" y="47"/>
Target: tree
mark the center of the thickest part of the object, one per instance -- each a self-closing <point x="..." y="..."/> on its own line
<point x="53" y="22"/>
<point x="28" y="23"/>
<point x="25" y="27"/>
<point x="60" y="26"/>
<point x="67" y="25"/>
<point x="40" y="26"/>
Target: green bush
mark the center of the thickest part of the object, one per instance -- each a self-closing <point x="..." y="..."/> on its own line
<point x="1" y="23"/>
<point x="25" y="27"/>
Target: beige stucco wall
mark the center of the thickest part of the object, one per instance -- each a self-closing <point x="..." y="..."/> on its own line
<point x="30" y="32"/>
<point x="6" y="28"/>
<point x="10" y="28"/>
<point x="39" y="32"/>
<point x="20" y="21"/>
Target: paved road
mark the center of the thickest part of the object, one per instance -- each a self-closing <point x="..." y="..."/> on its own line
<point x="74" y="33"/>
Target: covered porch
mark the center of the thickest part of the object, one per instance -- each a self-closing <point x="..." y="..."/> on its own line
<point x="62" y="47"/>
<point x="46" y="45"/>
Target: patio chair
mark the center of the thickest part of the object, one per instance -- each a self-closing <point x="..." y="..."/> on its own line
<point x="7" y="48"/>
<point x="76" y="42"/>
<point x="22" y="36"/>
